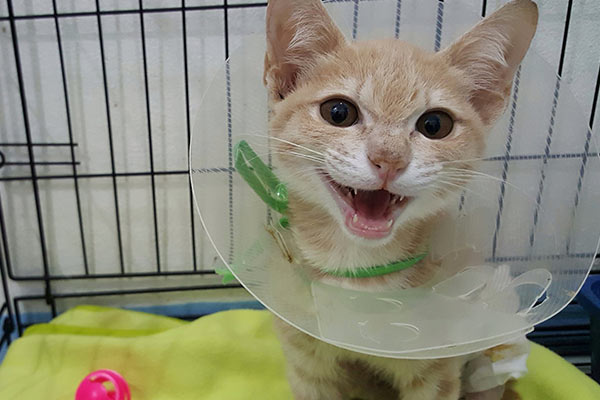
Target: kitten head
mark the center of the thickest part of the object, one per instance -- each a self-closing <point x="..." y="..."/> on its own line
<point x="371" y="135"/>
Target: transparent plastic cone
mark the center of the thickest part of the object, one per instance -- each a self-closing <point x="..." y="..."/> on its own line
<point x="515" y="248"/>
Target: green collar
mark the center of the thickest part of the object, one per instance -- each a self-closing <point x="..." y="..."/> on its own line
<point x="372" y="272"/>
<point x="273" y="192"/>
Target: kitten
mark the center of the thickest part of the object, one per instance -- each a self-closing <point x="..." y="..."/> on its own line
<point x="372" y="125"/>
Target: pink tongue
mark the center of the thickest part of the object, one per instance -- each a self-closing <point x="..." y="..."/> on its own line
<point x="372" y="204"/>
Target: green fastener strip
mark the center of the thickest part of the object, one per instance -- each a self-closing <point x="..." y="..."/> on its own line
<point x="260" y="178"/>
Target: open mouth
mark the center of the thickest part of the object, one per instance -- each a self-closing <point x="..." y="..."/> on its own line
<point x="370" y="214"/>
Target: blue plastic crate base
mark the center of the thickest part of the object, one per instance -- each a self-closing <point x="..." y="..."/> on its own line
<point x="589" y="298"/>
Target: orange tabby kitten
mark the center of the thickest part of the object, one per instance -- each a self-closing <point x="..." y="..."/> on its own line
<point x="372" y="125"/>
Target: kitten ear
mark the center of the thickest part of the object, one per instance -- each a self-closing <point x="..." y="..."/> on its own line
<point x="490" y="53"/>
<point x="298" y="32"/>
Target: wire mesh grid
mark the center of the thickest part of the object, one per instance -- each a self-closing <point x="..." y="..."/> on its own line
<point x="63" y="130"/>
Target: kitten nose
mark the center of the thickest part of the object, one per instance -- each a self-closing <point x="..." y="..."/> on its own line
<point x="387" y="170"/>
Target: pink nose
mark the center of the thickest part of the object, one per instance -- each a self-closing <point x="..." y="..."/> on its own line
<point x="388" y="170"/>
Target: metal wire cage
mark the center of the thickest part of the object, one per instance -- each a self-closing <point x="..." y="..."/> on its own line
<point x="96" y="110"/>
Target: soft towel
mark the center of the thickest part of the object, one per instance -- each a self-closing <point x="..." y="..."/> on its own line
<point x="225" y="356"/>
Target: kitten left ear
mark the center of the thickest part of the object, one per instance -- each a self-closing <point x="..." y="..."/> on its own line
<point x="298" y="32"/>
<point x="490" y="53"/>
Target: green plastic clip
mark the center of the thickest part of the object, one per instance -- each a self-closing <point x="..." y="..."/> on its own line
<point x="260" y="178"/>
<point x="284" y="222"/>
<point x="226" y="275"/>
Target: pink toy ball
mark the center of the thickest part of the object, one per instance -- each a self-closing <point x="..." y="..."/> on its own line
<point x="93" y="387"/>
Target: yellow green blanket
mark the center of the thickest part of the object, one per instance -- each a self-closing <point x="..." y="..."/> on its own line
<point x="226" y="356"/>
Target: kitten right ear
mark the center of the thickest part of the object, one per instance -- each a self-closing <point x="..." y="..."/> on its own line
<point x="298" y="32"/>
<point x="490" y="53"/>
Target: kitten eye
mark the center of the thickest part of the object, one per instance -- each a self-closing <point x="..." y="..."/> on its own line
<point x="435" y="124"/>
<point x="339" y="112"/>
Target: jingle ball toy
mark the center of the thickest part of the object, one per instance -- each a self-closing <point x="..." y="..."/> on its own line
<point x="93" y="387"/>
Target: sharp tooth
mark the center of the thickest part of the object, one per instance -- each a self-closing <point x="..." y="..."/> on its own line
<point x="353" y="191"/>
<point x="390" y="223"/>
<point x="394" y="199"/>
<point x="401" y="198"/>
<point x="355" y="218"/>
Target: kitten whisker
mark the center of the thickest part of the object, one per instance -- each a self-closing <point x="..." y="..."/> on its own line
<point x="302" y="172"/>
<point x="471" y="174"/>
<point x="289" y="143"/>
<point x="478" y="174"/>
<point x="336" y="156"/>
<point x="290" y="153"/>
<point x="459" y="186"/>
<point x="463" y="161"/>
<point x="306" y="157"/>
